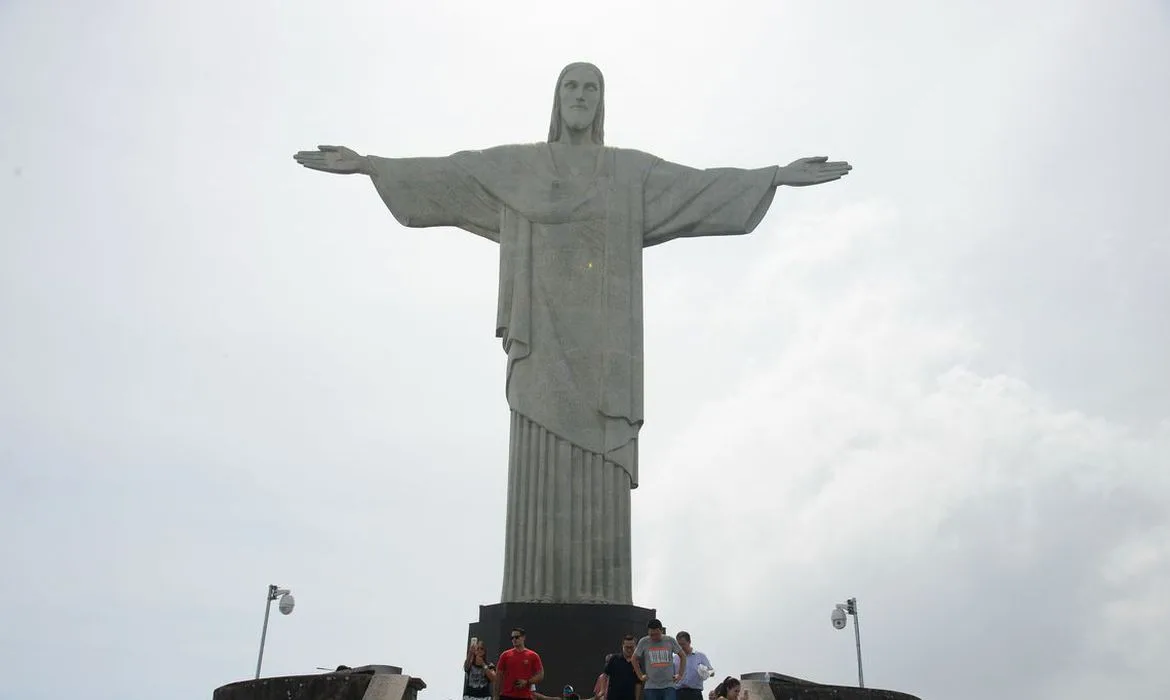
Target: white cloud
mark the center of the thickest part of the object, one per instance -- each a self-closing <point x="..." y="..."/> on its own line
<point x="864" y="453"/>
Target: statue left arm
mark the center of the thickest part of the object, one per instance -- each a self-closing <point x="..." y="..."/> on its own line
<point x="681" y="202"/>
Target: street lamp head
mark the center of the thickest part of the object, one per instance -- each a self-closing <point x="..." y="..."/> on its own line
<point x="838" y="618"/>
<point x="286" y="603"/>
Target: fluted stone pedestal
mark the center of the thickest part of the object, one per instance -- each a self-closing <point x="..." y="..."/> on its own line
<point x="571" y="638"/>
<point x="775" y="686"/>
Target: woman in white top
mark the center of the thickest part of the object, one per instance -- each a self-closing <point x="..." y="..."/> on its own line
<point x="727" y="690"/>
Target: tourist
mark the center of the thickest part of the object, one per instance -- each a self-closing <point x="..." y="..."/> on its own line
<point x="599" y="685"/>
<point x="478" y="673"/>
<point x="518" y="670"/>
<point x="619" y="681"/>
<point x="728" y="690"/>
<point x="653" y="662"/>
<point x="690" y="684"/>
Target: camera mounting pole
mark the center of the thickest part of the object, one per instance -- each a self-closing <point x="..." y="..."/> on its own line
<point x="285" y="607"/>
<point x="849" y="607"/>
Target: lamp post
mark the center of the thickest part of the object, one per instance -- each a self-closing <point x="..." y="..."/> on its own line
<point x="839" y="618"/>
<point x="286" y="606"/>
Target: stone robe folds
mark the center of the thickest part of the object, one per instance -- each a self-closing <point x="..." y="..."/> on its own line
<point x="570" y="317"/>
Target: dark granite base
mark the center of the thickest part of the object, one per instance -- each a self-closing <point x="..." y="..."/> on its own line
<point x="572" y="639"/>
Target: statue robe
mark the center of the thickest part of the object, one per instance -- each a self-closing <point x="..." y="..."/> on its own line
<point x="570" y="317"/>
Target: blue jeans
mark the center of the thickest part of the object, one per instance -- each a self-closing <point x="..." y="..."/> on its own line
<point x="658" y="694"/>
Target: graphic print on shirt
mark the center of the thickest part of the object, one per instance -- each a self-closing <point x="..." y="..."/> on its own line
<point x="659" y="655"/>
<point x="476" y="678"/>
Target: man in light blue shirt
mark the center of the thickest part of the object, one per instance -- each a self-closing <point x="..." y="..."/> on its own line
<point x="697" y="669"/>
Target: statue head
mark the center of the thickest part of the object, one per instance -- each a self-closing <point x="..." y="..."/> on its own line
<point x="579" y="102"/>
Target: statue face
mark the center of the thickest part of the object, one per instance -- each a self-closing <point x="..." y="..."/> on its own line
<point x="580" y="92"/>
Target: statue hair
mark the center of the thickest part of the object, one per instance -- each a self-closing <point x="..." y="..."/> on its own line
<point x="555" y="126"/>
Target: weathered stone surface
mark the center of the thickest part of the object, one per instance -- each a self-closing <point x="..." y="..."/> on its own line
<point x="364" y="683"/>
<point x="775" y="686"/>
<point x="571" y="217"/>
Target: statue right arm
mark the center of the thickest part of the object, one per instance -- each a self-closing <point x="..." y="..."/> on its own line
<point x="420" y="192"/>
<point x="426" y="192"/>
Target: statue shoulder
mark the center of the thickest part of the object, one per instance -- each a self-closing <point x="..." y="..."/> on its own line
<point x="501" y="156"/>
<point x="633" y="159"/>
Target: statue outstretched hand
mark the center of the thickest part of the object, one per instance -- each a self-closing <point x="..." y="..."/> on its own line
<point x="811" y="171"/>
<point x="334" y="159"/>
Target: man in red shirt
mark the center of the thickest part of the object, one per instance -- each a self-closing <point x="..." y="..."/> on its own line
<point x="518" y="670"/>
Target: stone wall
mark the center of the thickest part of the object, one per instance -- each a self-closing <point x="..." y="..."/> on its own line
<point x="356" y="684"/>
<point x="775" y="686"/>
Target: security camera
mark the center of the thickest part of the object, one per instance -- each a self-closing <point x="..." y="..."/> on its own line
<point x="286" y="604"/>
<point x="838" y="618"/>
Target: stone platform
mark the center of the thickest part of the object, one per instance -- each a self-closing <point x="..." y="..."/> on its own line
<point x="388" y="683"/>
<point x="363" y="683"/>
<point x="775" y="686"/>
<point x="572" y="639"/>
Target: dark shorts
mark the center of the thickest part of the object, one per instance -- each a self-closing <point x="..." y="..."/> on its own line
<point x="689" y="694"/>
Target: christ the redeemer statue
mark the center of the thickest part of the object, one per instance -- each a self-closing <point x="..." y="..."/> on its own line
<point x="571" y="217"/>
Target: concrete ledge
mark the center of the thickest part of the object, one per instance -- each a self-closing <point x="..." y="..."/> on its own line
<point x="364" y="683"/>
<point x="777" y="686"/>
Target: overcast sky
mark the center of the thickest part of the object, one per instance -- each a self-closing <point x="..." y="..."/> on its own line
<point x="940" y="385"/>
